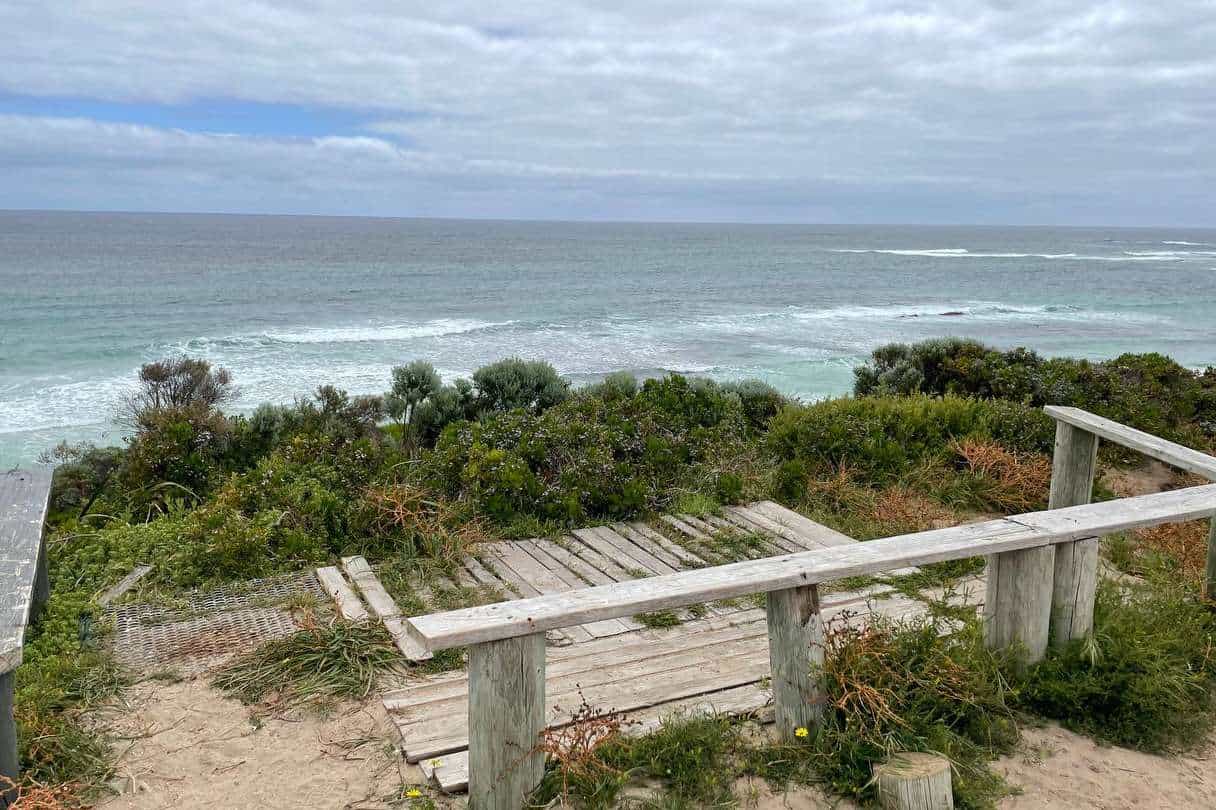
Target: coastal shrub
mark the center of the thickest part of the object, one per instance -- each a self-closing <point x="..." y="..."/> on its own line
<point x="1148" y="391"/>
<point x="412" y="384"/>
<point x="590" y="456"/>
<point x="760" y="400"/>
<point x="448" y="404"/>
<point x="82" y="473"/>
<point x="181" y="384"/>
<point x="1145" y="680"/>
<point x="617" y="385"/>
<point x="882" y="438"/>
<point x="533" y="385"/>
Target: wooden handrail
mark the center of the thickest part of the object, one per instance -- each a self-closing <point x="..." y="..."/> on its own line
<point x="1171" y="453"/>
<point x="522" y="617"/>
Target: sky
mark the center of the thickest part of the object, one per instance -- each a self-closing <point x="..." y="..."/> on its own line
<point x="1064" y="112"/>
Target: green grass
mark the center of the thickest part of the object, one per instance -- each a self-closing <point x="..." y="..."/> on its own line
<point x="319" y="665"/>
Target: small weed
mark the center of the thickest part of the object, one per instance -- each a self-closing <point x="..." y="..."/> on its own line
<point x="658" y="619"/>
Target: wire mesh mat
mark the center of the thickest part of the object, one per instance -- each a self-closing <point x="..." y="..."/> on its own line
<point x="204" y="629"/>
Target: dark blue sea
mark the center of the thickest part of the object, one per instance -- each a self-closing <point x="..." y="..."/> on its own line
<point x="290" y="303"/>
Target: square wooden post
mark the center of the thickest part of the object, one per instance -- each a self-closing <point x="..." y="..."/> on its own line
<point x="795" y="653"/>
<point x="1017" y="604"/>
<point x="506" y="718"/>
<point x="1210" y="585"/>
<point x="10" y="767"/>
<point x="1076" y="564"/>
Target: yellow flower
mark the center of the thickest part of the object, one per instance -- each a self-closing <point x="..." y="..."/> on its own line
<point x="435" y="763"/>
<point x="413" y="793"/>
<point x="801" y="732"/>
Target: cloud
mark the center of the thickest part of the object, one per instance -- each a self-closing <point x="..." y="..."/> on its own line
<point x="1062" y="111"/>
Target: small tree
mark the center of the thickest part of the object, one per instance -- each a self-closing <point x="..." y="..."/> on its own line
<point x="175" y="384"/>
<point x="411" y="385"/>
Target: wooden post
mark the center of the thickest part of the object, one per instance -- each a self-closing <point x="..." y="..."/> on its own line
<point x="9" y="765"/>
<point x="914" y="782"/>
<point x="42" y="583"/>
<point x="795" y="654"/>
<point x="1017" y="606"/>
<point x="506" y="718"/>
<point x="1076" y="565"/>
<point x="1210" y="589"/>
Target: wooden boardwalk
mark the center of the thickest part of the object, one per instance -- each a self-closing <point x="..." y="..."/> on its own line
<point x="717" y="660"/>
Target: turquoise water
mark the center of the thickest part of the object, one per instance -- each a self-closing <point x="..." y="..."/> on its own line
<point x="289" y="303"/>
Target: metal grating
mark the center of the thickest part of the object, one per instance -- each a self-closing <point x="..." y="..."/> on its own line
<point x="208" y="627"/>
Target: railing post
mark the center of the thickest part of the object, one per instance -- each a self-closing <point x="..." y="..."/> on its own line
<point x="1017" y="605"/>
<point x="1209" y="589"/>
<point x="506" y="718"/>
<point x="1076" y="565"/>
<point x="9" y="764"/>
<point x="795" y="653"/>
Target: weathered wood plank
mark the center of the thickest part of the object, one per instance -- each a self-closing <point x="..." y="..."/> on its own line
<point x="506" y="716"/>
<point x="1031" y="530"/>
<point x="813" y="533"/>
<point x="1175" y="455"/>
<point x="576" y="576"/>
<point x="691" y="560"/>
<point x="677" y="563"/>
<point x="795" y="650"/>
<point x="769" y="532"/>
<point x="385" y="608"/>
<point x="524" y="569"/>
<point x="1075" y="582"/>
<point x="334" y="584"/>
<point x="24" y="496"/>
<point x="125" y="584"/>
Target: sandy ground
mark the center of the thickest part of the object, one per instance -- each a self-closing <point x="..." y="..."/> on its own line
<point x="190" y="747"/>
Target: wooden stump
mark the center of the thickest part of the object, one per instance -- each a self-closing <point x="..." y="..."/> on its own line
<point x="911" y="781"/>
<point x="506" y="718"/>
<point x="795" y="654"/>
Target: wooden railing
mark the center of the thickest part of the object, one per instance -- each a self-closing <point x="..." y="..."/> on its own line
<point x="24" y="589"/>
<point x="1042" y="579"/>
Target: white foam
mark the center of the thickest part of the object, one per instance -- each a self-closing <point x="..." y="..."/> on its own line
<point x="963" y="253"/>
<point x="375" y="333"/>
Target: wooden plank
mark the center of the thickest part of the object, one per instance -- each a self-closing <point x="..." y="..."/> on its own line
<point x="810" y="530"/>
<point x="506" y="714"/>
<point x="385" y="609"/>
<point x="574" y="579"/>
<point x="123" y="585"/>
<point x="1075" y="580"/>
<point x="334" y="584"/>
<point x="523" y="568"/>
<point x="716" y="674"/>
<point x="1176" y="455"/>
<point x="640" y="563"/>
<point x="452" y="773"/>
<point x="605" y="565"/>
<point x="778" y="529"/>
<point x="678" y="562"/>
<point x="769" y="532"/>
<point x="1031" y="530"/>
<point x="696" y="560"/>
<point x="635" y="551"/>
<point x="24" y="497"/>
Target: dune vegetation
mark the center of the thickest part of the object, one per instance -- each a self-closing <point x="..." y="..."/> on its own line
<point x="936" y="433"/>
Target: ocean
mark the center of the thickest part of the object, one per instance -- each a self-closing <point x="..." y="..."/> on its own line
<point x="290" y="303"/>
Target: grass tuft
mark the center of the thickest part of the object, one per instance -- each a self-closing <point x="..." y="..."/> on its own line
<point x="318" y="665"/>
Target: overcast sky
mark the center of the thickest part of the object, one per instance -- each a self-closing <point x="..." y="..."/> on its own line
<point x="986" y="112"/>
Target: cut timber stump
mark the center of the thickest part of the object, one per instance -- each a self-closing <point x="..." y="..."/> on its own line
<point x="912" y="781"/>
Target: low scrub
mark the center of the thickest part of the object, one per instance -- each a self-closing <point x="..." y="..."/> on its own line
<point x="1147" y="391"/>
<point x="1145" y="680"/>
<point x="881" y="439"/>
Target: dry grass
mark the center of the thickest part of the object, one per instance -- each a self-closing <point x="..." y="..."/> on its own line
<point x="574" y="751"/>
<point x="433" y="526"/>
<point x="901" y="511"/>
<point x="1184" y="545"/>
<point x="36" y="796"/>
<point x="1016" y="482"/>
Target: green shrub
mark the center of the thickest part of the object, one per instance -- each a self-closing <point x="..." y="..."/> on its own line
<point x="1147" y="391"/>
<point x="590" y="456"/>
<point x="882" y="438"/>
<point x="1147" y="678"/>
<point x="513" y="383"/>
<point x="759" y="399"/>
